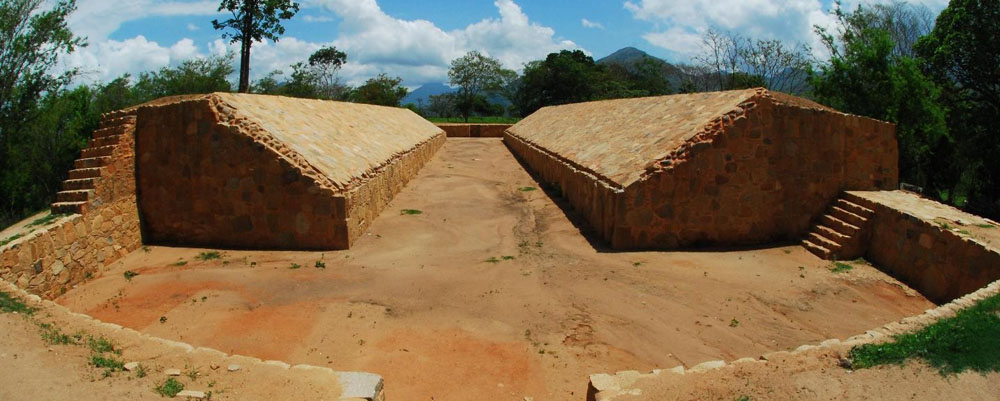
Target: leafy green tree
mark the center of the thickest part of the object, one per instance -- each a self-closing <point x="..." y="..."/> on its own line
<point x="253" y="21"/>
<point x="564" y="77"/>
<point x="326" y="62"/>
<point x="864" y="77"/>
<point x="442" y="105"/>
<point x="474" y="74"/>
<point x="31" y="41"/>
<point x="381" y="90"/>
<point x="962" y="54"/>
<point x="194" y="76"/>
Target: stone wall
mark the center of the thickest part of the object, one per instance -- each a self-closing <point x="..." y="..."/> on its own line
<point x="366" y="201"/>
<point x="759" y="174"/>
<point x="932" y="257"/>
<point x="53" y="258"/>
<point x="203" y="181"/>
<point x="473" y="130"/>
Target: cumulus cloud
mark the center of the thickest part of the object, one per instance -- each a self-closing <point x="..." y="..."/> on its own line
<point x="591" y="24"/>
<point x="98" y="19"/>
<point x="678" y="26"/>
<point x="313" y="18"/>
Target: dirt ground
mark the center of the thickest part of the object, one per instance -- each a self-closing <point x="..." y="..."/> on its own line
<point x="491" y="292"/>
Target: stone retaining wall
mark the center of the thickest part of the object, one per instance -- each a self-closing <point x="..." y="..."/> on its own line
<point x="459" y="130"/>
<point x="54" y="258"/>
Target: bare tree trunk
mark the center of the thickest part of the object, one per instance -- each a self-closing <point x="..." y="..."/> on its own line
<point x="245" y="66"/>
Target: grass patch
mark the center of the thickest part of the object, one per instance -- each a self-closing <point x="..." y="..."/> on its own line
<point x="101" y="345"/>
<point x="169" y="388"/>
<point x="841" y="267"/>
<point x="527" y="189"/>
<point x="295" y="266"/>
<point x="734" y="323"/>
<point x="985" y="226"/>
<point x="109" y="363"/>
<point x="140" y="371"/>
<point x="46" y="220"/>
<point x="952" y="345"/>
<point x="129" y="275"/>
<point x="493" y="259"/>
<point x="53" y="336"/>
<point x="410" y="212"/>
<point x="179" y="263"/>
<point x="320" y="264"/>
<point x="10" y="239"/>
<point x="206" y="256"/>
<point x="475" y="120"/>
<point x="507" y="257"/>
<point x="10" y="304"/>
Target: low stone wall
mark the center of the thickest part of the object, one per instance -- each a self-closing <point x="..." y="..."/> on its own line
<point x="590" y="196"/>
<point x="367" y="200"/>
<point x="941" y="261"/>
<point x="54" y="258"/>
<point x="458" y="130"/>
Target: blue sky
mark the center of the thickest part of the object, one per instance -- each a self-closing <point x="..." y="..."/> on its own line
<point x="416" y="39"/>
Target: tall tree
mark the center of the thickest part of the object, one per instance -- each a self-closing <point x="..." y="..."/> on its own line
<point x="382" y="90"/>
<point x="326" y="62"/>
<point x="474" y="74"/>
<point x="738" y="62"/>
<point x="253" y="21"/>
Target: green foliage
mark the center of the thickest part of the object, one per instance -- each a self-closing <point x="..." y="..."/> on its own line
<point x="101" y="345"/>
<point x="410" y="212"/>
<point x="129" y="275"/>
<point x="527" y="189"/>
<point x="252" y="21"/>
<point x="46" y="220"/>
<point x="493" y="259"/>
<point x="841" y="267"/>
<point x="474" y="74"/>
<point x="320" y="264"/>
<point x="475" y="119"/>
<point x="381" y="90"/>
<point x="10" y="239"/>
<point x="54" y="336"/>
<point x="10" y="304"/>
<point x="169" y="388"/>
<point x="179" y="263"/>
<point x="564" y="77"/>
<point x="295" y="266"/>
<point x="210" y="255"/>
<point x="967" y="341"/>
<point x="864" y="76"/>
<point x="195" y="76"/>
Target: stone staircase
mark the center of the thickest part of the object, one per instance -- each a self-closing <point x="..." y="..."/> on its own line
<point x="78" y="191"/>
<point x="839" y="233"/>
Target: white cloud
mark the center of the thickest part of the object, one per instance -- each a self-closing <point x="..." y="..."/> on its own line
<point x="192" y="27"/>
<point x="591" y="24"/>
<point x="678" y="26"/>
<point x="98" y="19"/>
<point x="313" y="18"/>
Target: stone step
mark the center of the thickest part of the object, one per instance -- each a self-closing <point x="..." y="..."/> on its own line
<point x="79" y="195"/>
<point x="839" y="225"/>
<point x="817" y="250"/>
<point x="108" y="131"/>
<point x="97" y="152"/>
<point x="83" y="183"/>
<point x="855" y="208"/>
<point x="69" y="207"/>
<point x="117" y="118"/>
<point x="91" y="162"/>
<point x="857" y="200"/>
<point x="108" y="140"/>
<point x="822" y="241"/>
<point x="832" y="234"/>
<point x="79" y="173"/>
<point x="847" y="217"/>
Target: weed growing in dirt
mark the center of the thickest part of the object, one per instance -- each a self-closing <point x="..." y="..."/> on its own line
<point x="110" y="364"/>
<point x="163" y="319"/>
<point x="10" y="304"/>
<point x="10" y="239"/>
<point x="527" y="189"/>
<point x="636" y="264"/>
<point x="192" y="374"/>
<point x="140" y="371"/>
<point x="944" y="225"/>
<point x="787" y="251"/>
<point x="295" y="266"/>
<point x="169" y="388"/>
<point x="963" y="232"/>
<point x="840" y="267"/>
<point x="952" y="345"/>
<point x="46" y="220"/>
<point x="743" y="398"/>
<point x="53" y="336"/>
<point x="493" y="259"/>
<point x="146" y="249"/>
<point x="507" y="257"/>
<point x="101" y="345"/>
<point x="180" y="263"/>
<point x="206" y="256"/>
<point x="734" y="323"/>
<point x="129" y="275"/>
<point x="320" y="264"/>
<point x="985" y="226"/>
<point x="410" y="212"/>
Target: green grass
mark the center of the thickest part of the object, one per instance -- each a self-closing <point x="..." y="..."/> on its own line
<point x="46" y="220"/>
<point x="295" y="266"/>
<point x="985" y="226"/>
<point x="180" y="263"/>
<point x="169" y="388"/>
<point x="10" y="239"/>
<point x="493" y="259"/>
<point x="410" y="212"/>
<point x="475" y="120"/>
<point x="205" y="256"/>
<point x="507" y="257"/>
<point x="320" y="264"/>
<point x="967" y="341"/>
<point x="10" y="304"/>
<point x="527" y="189"/>
<point x="734" y="323"/>
<point x="129" y="275"/>
<point x="53" y="336"/>
<point x="109" y="363"/>
<point x="840" y="267"/>
<point x="101" y="345"/>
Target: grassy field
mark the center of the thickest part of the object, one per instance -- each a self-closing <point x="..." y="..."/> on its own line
<point x="475" y="120"/>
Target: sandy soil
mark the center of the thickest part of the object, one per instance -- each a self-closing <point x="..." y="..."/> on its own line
<point x="815" y="375"/>
<point x="418" y="302"/>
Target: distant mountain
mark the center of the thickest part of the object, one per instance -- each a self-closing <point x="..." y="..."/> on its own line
<point x="425" y="91"/>
<point x="630" y="56"/>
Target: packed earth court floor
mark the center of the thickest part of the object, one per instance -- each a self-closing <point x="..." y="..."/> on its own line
<point x="475" y="283"/>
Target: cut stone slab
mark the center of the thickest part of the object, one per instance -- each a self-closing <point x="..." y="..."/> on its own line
<point x="360" y="385"/>
<point x="198" y="395"/>
<point x="172" y="372"/>
<point x="233" y="368"/>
